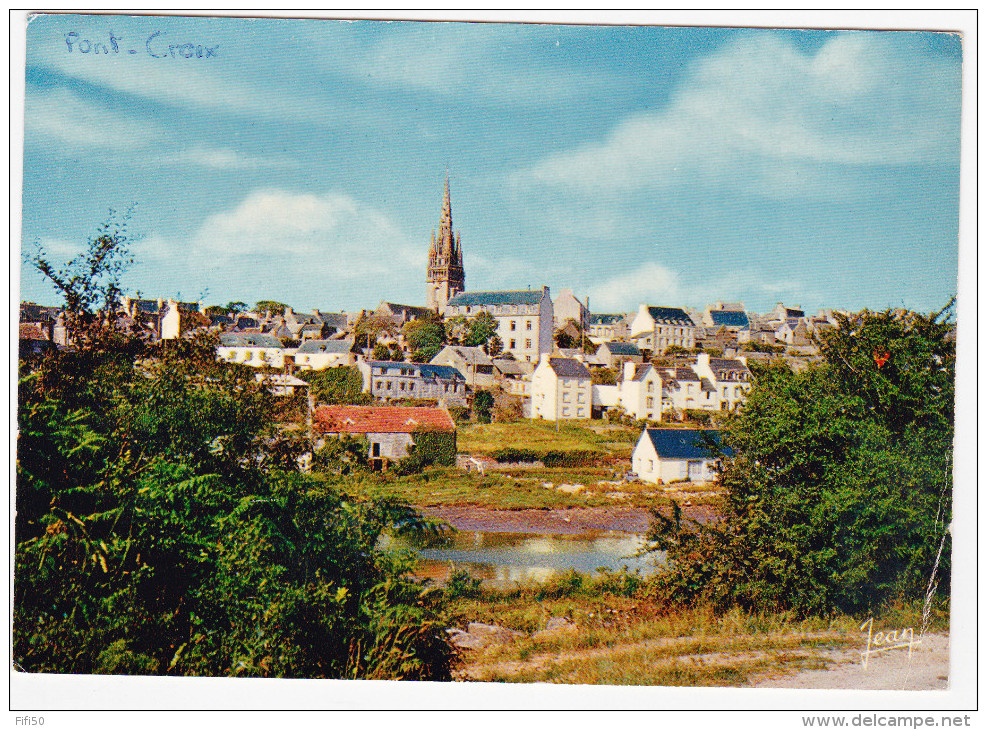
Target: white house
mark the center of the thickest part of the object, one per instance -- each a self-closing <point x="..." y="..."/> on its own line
<point x="252" y="349"/>
<point x="320" y="354"/>
<point x="664" y="455"/>
<point x="638" y="392"/>
<point x="657" y="328"/>
<point x="730" y="376"/>
<point x="525" y="320"/>
<point x="561" y="388"/>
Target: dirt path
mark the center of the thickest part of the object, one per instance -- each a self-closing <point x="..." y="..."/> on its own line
<point x="571" y="521"/>
<point x="926" y="669"/>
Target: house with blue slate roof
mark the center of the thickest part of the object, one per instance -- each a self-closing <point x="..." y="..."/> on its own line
<point x="525" y="320"/>
<point x="390" y="381"/>
<point x="664" y="455"/>
<point x="658" y="328"/>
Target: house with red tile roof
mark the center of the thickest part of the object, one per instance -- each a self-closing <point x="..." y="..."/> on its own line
<point x="390" y="430"/>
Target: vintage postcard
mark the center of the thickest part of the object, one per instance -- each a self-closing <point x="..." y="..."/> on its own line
<point x="585" y="351"/>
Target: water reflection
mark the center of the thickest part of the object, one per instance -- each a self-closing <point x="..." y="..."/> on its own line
<point x="507" y="557"/>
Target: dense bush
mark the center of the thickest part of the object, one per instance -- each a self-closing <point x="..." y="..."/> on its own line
<point x="550" y="459"/>
<point x="429" y="448"/>
<point x="162" y="527"/>
<point x="840" y="487"/>
<point x="341" y="385"/>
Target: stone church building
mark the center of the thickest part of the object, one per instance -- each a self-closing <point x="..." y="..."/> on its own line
<point x="445" y="278"/>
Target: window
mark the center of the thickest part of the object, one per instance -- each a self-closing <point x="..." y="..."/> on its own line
<point x="580" y="412"/>
<point x="527" y="343"/>
<point x="565" y="412"/>
<point x="527" y="325"/>
<point x="565" y="396"/>
<point x="376" y="450"/>
<point x="513" y="325"/>
<point x="649" y="402"/>
<point x="513" y="345"/>
<point x="651" y="386"/>
<point x="580" y="397"/>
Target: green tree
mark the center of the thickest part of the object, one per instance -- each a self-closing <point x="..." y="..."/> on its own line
<point x="480" y="329"/>
<point x="268" y="305"/>
<point x="425" y="337"/>
<point x="381" y="352"/>
<point x="839" y="486"/>
<point x="494" y="346"/>
<point x="163" y="527"/>
<point x="483" y="403"/>
<point x="341" y="385"/>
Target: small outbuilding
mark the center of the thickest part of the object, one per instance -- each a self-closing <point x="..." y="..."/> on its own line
<point x="391" y="430"/>
<point x="664" y="455"/>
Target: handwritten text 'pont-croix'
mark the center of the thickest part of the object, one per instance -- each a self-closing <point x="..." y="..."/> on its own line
<point x="155" y="46"/>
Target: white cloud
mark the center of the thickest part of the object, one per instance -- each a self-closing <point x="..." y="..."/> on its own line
<point x="334" y="234"/>
<point x="763" y="117"/>
<point x="503" y="64"/>
<point x="221" y="159"/>
<point x="649" y="282"/>
<point x="656" y="284"/>
<point x="62" y="116"/>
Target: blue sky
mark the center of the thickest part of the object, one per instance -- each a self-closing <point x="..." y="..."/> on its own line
<point x="305" y="160"/>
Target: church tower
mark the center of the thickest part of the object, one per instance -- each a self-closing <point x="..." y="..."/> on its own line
<point x="445" y="278"/>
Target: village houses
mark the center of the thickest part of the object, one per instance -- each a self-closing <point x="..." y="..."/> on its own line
<point x="561" y="388"/>
<point x="658" y="328"/>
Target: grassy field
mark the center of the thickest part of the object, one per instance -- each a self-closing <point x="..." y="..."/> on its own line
<point x="619" y="637"/>
<point x="592" y="436"/>
<point x="536" y="487"/>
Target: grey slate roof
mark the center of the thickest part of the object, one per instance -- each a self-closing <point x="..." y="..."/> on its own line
<point x="332" y="346"/>
<point x="641" y="371"/>
<point x="512" y="367"/>
<point x="480" y="298"/>
<point x="333" y="319"/>
<point x="243" y="339"/>
<point x="406" y="309"/>
<point x="567" y="367"/>
<point x="729" y="319"/>
<point x="426" y="371"/>
<point x="472" y="355"/>
<point x="603" y="319"/>
<point x="670" y="315"/>
<point x="682" y="443"/>
<point x="622" y="348"/>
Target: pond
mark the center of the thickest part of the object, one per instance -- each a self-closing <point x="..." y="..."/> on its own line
<point x="503" y="558"/>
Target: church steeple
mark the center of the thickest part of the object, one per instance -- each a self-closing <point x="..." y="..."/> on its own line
<point x="445" y="277"/>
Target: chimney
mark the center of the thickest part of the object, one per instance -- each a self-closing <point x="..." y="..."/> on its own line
<point x="628" y="370"/>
